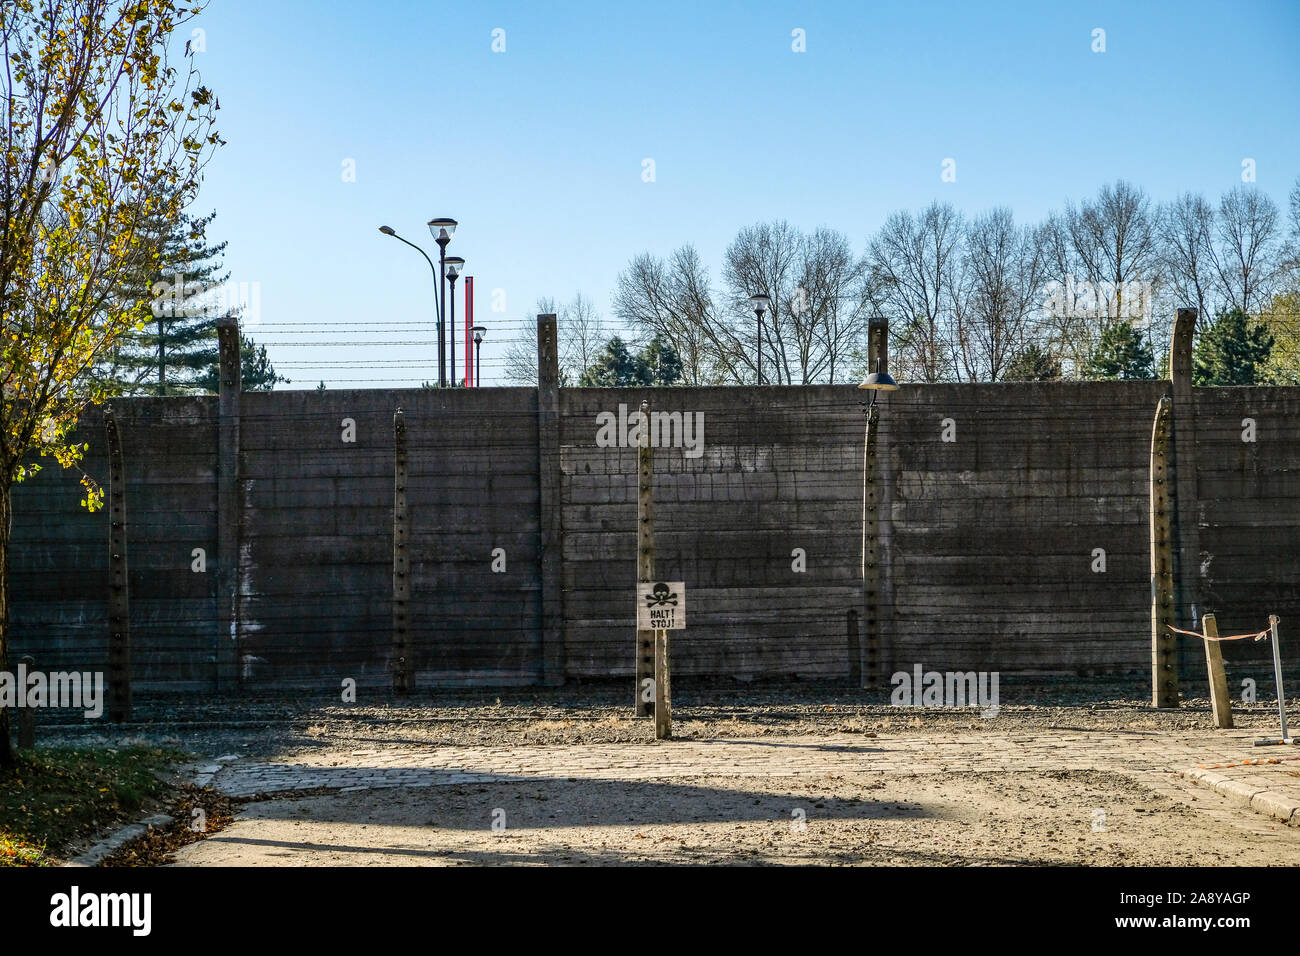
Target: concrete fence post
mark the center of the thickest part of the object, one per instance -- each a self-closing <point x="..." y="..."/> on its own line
<point x="403" y="661"/>
<point x="1164" y="642"/>
<point x="1186" y="510"/>
<point x="877" y="529"/>
<point x="225" y="650"/>
<point x="550" y="514"/>
<point x="645" y="562"/>
<point x="119" y="582"/>
<point x="870" y="554"/>
<point x="878" y="343"/>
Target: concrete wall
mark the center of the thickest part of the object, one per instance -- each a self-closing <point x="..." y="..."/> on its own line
<point x="987" y="541"/>
<point x="1248" y="516"/>
<point x="994" y="533"/>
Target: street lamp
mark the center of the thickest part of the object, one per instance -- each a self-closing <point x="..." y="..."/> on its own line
<point x="390" y="231"/>
<point x="442" y="230"/>
<point x="876" y="382"/>
<point x="455" y="266"/>
<point x="760" y="304"/>
<point x="478" y="331"/>
<point x="879" y="381"/>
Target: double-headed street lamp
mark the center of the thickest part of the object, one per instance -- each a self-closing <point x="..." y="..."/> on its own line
<point x="478" y="332"/>
<point x="760" y="304"/>
<point x="455" y="266"/>
<point x="442" y="230"/>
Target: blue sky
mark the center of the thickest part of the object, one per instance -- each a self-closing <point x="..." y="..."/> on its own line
<point x="538" y="151"/>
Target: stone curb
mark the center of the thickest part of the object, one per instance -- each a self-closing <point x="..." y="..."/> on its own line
<point x="1279" y="806"/>
<point x="203" y="772"/>
<point x="132" y="831"/>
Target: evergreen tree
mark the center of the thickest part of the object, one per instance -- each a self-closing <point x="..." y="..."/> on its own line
<point x="1033" y="364"/>
<point x="1122" y="353"/>
<point x="663" y="366"/>
<point x="175" y="350"/>
<point x="615" y="367"/>
<point x="1232" y="351"/>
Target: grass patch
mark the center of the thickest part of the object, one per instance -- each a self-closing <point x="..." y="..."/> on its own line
<point x="56" y="796"/>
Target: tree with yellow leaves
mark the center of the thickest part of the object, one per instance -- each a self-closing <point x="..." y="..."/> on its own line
<point x="105" y="126"/>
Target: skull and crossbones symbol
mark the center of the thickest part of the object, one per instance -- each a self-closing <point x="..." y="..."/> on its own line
<point x="661" y="596"/>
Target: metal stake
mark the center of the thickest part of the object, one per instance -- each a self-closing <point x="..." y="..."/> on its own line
<point x="1273" y="620"/>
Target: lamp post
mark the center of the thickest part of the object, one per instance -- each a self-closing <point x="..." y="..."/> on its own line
<point x="390" y="231"/>
<point x="877" y="382"/>
<point x="455" y="266"/>
<point x="478" y="332"/>
<point x="442" y="230"/>
<point x="760" y="304"/>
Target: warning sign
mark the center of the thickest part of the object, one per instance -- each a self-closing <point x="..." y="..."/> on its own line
<point x="661" y="606"/>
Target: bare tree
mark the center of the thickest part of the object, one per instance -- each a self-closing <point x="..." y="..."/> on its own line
<point x="915" y="260"/>
<point x="765" y="259"/>
<point x="1065" y="327"/>
<point x="673" y="299"/>
<point x="581" y="332"/>
<point x="1245" y="253"/>
<point x="1187" y="230"/>
<point x="1003" y="271"/>
<point x="1116" y="243"/>
<point x="830" y="313"/>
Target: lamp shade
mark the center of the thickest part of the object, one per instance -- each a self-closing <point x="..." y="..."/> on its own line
<point x="478" y="331"/>
<point x="879" y="381"/>
<point x="455" y="266"/>
<point x="759" y="303"/>
<point x="442" y="228"/>
<point x="388" y="230"/>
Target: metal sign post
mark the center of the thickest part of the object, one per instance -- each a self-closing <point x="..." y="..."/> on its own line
<point x="1273" y="621"/>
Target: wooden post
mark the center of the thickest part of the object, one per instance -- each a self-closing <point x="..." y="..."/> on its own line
<point x="403" y="659"/>
<point x="27" y="715"/>
<point x="645" y="561"/>
<point x="119" y="612"/>
<point x="870" y="558"/>
<point x="1164" y="677"/>
<point x="663" y="691"/>
<point x="1219" y="699"/>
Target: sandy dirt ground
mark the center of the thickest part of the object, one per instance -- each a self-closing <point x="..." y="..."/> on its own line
<point x="1069" y="774"/>
<point x="989" y="819"/>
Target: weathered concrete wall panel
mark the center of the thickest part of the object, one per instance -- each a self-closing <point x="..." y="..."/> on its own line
<point x="989" y="541"/>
